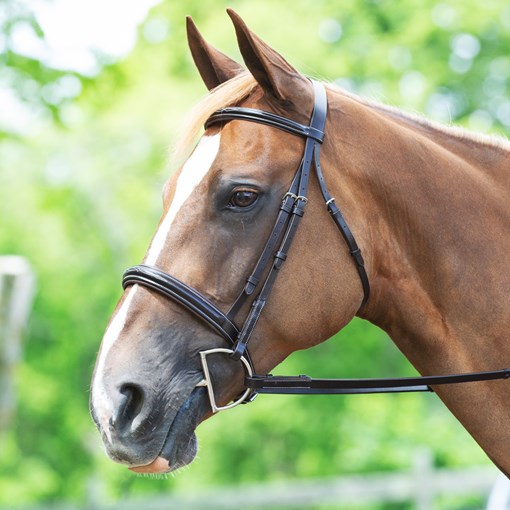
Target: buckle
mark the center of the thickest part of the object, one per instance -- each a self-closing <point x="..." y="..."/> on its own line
<point x="207" y="381"/>
<point x="289" y="194"/>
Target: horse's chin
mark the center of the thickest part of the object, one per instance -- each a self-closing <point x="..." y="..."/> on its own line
<point x="181" y="445"/>
<point x="170" y="460"/>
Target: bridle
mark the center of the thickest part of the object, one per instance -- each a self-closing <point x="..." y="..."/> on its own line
<point x="263" y="276"/>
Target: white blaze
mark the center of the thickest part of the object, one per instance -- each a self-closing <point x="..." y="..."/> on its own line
<point x="102" y="403"/>
<point x="192" y="173"/>
<point x="194" y="170"/>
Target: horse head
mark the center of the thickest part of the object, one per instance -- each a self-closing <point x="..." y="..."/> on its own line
<point x="219" y="209"/>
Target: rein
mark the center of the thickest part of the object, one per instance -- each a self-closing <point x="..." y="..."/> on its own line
<point x="304" y="385"/>
<point x="264" y="274"/>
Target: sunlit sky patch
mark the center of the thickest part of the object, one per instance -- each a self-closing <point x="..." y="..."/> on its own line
<point x="77" y="30"/>
<point x="76" y="33"/>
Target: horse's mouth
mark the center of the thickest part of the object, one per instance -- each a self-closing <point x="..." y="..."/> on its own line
<point x="180" y="446"/>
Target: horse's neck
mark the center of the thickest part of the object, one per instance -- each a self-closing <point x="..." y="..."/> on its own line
<point x="434" y="224"/>
<point x="441" y="259"/>
<point x="489" y="154"/>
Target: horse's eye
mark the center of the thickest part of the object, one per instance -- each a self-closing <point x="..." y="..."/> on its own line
<point x="243" y="198"/>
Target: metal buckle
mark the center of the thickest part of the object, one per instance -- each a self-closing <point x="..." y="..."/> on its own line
<point x="289" y="194"/>
<point x="207" y="381"/>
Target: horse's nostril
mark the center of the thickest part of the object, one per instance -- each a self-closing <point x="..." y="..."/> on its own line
<point x="129" y="407"/>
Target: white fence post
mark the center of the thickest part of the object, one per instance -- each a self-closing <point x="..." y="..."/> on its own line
<point x="17" y="285"/>
<point x="499" y="498"/>
<point x="423" y="472"/>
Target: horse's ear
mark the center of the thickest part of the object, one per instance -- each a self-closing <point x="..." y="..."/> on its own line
<point x="273" y="73"/>
<point x="213" y="65"/>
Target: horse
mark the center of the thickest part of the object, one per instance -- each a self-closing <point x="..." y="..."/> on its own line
<point x="426" y="204"/>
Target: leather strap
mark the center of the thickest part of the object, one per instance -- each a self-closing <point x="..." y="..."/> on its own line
<point x="346" y="232"/>
<point x="192" y="300"/>
<point x="267" y="118"/>
<point x="304" y="385"/>
<point x="255" y="277"/>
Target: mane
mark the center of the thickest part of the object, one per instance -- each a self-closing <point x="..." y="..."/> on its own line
<point x="227" y="94"/>
<point x="458" y="132"/>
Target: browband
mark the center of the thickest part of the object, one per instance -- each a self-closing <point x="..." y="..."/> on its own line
<point x="267" y="118"/>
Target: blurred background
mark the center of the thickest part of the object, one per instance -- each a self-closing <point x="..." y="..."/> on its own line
<point x="92" y="94"/>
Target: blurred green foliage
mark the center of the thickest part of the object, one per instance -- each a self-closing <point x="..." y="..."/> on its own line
<point x="80" y="197"/>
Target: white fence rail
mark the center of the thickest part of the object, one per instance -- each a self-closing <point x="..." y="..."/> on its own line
<point x="420" y="485"/>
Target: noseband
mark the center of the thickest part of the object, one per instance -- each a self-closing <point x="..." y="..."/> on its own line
<point x="263" y="276"/>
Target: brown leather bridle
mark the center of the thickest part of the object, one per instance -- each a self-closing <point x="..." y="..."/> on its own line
<point x="264" y="274"/>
